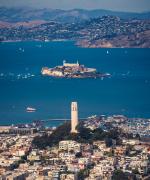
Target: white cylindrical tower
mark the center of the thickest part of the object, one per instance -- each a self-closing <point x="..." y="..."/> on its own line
<point x="74" y="117"/>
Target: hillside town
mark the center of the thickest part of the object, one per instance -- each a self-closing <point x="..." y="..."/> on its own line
<point x="104" y="31"/>
<point x="101" y="147"/>
<point x="70" y="159"/>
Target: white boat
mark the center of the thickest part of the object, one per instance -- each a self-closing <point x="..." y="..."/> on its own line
<point x="30" y="109"/>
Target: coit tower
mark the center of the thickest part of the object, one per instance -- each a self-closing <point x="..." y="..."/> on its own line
<point x="74" y="117"/>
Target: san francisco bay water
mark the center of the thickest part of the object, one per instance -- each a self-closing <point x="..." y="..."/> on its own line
<point x="126" y="92"/>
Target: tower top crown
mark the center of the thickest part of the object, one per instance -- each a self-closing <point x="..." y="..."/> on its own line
<point x="74" y="106"/>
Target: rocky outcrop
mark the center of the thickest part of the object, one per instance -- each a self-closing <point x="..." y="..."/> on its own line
<point x="139" y="40"/>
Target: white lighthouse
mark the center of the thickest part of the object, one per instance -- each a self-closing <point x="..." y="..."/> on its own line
<point x="74" y="117"/>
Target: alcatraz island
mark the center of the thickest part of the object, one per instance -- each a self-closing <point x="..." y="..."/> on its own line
<point x="73" y="70"/>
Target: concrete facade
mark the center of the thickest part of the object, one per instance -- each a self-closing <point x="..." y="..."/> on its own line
<point x="74" y="117"/>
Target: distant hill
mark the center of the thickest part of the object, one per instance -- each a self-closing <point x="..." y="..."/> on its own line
<point x="29" y="14"/>
<point x="105" y="31"/>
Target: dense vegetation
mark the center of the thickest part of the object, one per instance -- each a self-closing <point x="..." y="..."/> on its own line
<point x="84" y="135"/>
<point x="120" y="175"/>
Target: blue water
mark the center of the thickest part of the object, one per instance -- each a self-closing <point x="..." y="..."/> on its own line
<point x="126" y="92"/>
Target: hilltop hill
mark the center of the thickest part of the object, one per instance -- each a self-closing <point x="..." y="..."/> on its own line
<point x="105" y="31"/>
<point x="30" y="14"/>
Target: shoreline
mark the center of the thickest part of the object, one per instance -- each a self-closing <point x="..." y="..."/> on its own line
<point x="75" y="44"/>
<point x="68" y="119"/>
<point x="59" y="40"/>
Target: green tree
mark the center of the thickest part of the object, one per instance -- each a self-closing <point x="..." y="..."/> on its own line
<point x="108" y="142"/>
<point x="82" y="174"/>
<point x="120" y="175"/>
<point x="78" y="155"/>
<point x="84" y="133"/>
<point x="98" y="134"/>
<point x="59" y="134"/>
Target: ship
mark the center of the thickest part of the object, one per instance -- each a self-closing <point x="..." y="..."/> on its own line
<point x="30" y="109"/>
<point x="72" y="70"/>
